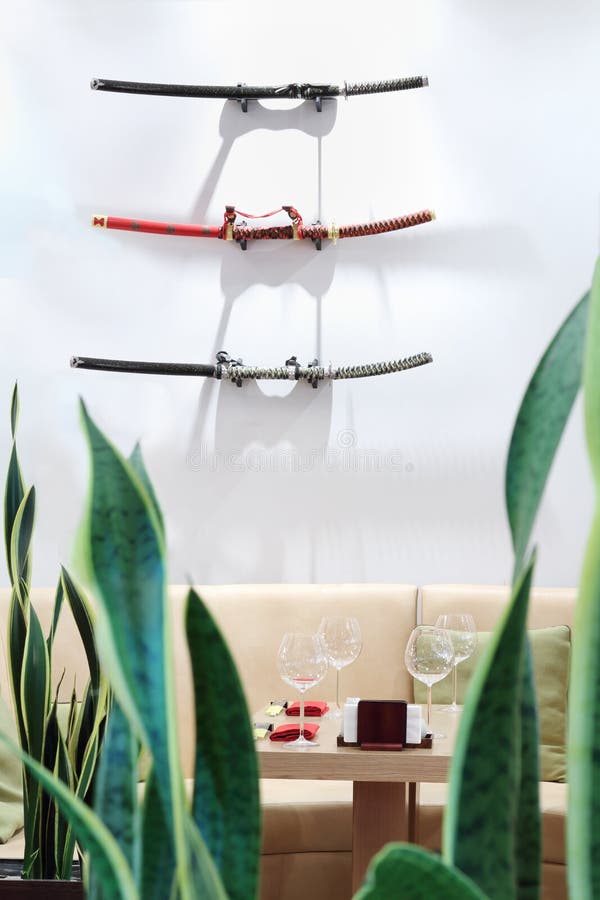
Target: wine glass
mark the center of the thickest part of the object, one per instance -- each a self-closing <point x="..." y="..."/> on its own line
<point x="429" y="657"/>
<point x="343" y="642"/>
<point x="462" y="633"/>
<point x="302" y="663"/>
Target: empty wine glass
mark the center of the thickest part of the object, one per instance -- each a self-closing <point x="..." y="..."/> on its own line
<point x="343" y="642"/>
<point x="429" y="657"/>
<point x="462" y="633"/>
<point x="302" y="663"/>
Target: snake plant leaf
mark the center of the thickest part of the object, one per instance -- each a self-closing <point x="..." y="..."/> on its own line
<point x="62" y="829"/>
<point x="157" y="867"/>
<point x="34" y="698"/>
<point x="583" y="819"/>
<point x="126" y="559"/>
<point x="35" y="686"/>
<point x="203" y="872"/>
<point x="528" y="824"/>
<point x="20" y="546"/>
<point x="540" y="423"/>
<point x="484" y="783"/>
<point x="115" y="800"/>
<point x="59" y="597"/>
<point x="17" y="633"/>
<point x="116" y="782"/>
<point x="82" y="791"/>
<point x="226" y="804"/>
<point x="47" y="806"/>
<point x="105" y="854"/>
<point x="84" y="619"/>
<point x="126" y="562"/>
<point x="413" y="873"/>
<point x="14" y="491"/>
<point x="14" y="411"/>
<point x="139" y="467"/>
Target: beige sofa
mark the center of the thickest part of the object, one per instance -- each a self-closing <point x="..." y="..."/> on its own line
<point x="307" y="825"/>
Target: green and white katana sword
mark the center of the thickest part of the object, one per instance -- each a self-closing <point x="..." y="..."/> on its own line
<point x="228" y="369"/>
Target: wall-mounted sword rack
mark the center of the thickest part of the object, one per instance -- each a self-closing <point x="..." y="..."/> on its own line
<point x="227" y="367"/>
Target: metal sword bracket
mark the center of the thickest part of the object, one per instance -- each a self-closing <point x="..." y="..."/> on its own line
<point x="317" y="241"/>
<point x="293" y="362"/>
<point x="318" y="103"/>
<point x="242" y="241"/>
<point x="314" y="381"/>
<point x="243" y="101"/>
<point x="225" y="361"/>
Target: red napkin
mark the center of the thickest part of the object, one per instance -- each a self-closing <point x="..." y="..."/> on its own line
<point x="290" y="732"/>
<point x="311" y="708"/>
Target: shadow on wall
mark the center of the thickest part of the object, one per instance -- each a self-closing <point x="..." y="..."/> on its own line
<point x="269" y="263"/>
<point x="280" y="496"/>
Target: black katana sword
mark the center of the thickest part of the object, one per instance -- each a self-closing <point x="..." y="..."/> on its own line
<point x="245" y="92"/>
<point x="229" y="369"/>
<point x="292" y="91"/>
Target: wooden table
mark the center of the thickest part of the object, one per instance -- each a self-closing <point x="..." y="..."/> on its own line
<point x="381" y="811"/>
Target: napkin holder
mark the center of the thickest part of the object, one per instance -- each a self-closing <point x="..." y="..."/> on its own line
<point x="380" y="725"/>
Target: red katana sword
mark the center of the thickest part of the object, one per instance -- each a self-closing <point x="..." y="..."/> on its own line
<point x="242" y="232"/>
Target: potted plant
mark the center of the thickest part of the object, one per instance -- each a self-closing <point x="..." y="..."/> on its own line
<point x="65" y="738"/>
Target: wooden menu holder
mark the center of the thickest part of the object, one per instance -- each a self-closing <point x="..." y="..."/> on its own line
<point x="381" y="725"/>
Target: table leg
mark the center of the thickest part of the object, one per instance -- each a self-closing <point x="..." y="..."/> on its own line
<point x="413" y="803"/>
<point x="378" y="816"/>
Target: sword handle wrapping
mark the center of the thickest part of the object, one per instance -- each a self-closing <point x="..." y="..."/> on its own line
<point x="382" y="87"/>
<point x="384" y="225"/>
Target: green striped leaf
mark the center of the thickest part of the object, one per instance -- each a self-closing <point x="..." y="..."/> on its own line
<point x="157" y="864"/>
<point x="14" y="491"/>
<point x="63" y="771"/>
<point x="20" y="546"/>
<point x="35" y="686"/>
<point x="48" y="812"/>
<point x="34" y="699"/>
<point x="105" y="856"/>
<point x="14" y="411"/>
<point x="115" y="800"/>
<point x="479" y="836"/>
<point x="17" y="633"/>
<point x="528" y="834"/>
<point x="137" y="464"/>
<point x="203" y="872"/>
<point x="583" y="819"/>
<point x="125" y="556"/>
<point x="126" y="562"/>
<point x="116" y="782"/>
<point x="226" y="803"/>
<point x="58" y="602"/>
<point x="84" y="619"/>
<point x="540" y="423"/>
<point x="412" y="873"/>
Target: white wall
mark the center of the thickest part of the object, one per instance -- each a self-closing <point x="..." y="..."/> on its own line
<point x="504" y="145"/>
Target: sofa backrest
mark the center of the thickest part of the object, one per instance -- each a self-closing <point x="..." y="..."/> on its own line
<point x="486" y="603"/>
<point x="549" y="607"/>
<point x="253" y="619"/>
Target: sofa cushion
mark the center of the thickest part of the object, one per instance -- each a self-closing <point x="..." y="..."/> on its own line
<point x="550" y="649"/>
<point x="553" y="804"/>
<point x="303" y="816"/>
<point x="11" y="791"/>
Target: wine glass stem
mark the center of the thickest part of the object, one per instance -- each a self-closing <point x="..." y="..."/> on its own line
<point x="301" y="730"/>
<point x="337" y="688"/>
<point x="454" y="683"/>
<point x="429" y="709"/>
